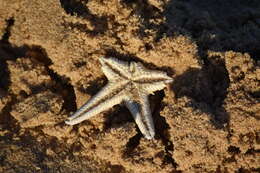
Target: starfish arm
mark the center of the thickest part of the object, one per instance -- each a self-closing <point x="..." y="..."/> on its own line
<point x="152" y="77"/>
<point x="109" y="96"/>
<point x="114" y="68"/>
<point x="143" y="75"/>
<point x="151" y="88"/>
<point x="142" y="114"/>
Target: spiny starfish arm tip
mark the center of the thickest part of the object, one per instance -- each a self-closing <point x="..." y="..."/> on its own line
<point x="149" y="137"/>
<point x="141" y="113"/>
<point x="69" y="122"/>
<point x="88" y="113"/>
<point x="170" y="80"/>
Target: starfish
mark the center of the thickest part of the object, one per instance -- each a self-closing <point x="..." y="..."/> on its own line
<point x="129" y="83"/>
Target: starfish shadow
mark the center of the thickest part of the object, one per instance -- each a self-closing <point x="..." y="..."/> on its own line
<point x="94" y="86"/>
<point x="162" y="127"/>
<point x="131" y="145"/>
<point x="118" y="117"/>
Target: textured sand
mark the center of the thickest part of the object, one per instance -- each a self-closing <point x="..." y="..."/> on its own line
<point x="207" y="120"/>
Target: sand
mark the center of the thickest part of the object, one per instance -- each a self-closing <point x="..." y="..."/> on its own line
<point x="207" y="120"/>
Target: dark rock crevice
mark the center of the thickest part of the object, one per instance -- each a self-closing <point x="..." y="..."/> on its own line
<point x="199" y="85"/>
<point x="79" y="8"/>
<point x="7" y="33"/>
<point x="59" y="84"/>
<point x="162" y="129"/>
<point x="149" y="15"/>
<point x="217" y="25"/>
<point x="6" y="120"/>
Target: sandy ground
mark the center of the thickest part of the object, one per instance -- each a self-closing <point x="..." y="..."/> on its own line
<point x="207" y="120"/>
